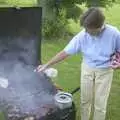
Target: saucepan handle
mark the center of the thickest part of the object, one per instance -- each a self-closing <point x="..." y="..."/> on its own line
<point x="75" y="90"/>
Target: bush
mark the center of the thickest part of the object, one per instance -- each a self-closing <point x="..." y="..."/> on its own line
<point x="57" y="27"/>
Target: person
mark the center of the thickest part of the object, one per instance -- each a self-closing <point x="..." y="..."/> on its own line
<point x="97" y="42"/>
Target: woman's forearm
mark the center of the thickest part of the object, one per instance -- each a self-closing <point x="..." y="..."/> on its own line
<point x="59" y="57"/>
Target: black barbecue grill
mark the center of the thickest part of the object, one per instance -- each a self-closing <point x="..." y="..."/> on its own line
<point x="29" y="95"/>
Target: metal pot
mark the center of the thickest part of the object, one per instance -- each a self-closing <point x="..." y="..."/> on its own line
<point x="63" y="100"/>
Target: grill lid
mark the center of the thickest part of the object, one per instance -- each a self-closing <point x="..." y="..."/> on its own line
<point x="20" y="34"/>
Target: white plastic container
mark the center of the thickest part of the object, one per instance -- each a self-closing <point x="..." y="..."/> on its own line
<point x="51" y="72"/>
<point x="3" y="82"/>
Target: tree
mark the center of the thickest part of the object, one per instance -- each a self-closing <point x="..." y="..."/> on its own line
<point x="55" y="13"/>
<point x="53" y="6"/>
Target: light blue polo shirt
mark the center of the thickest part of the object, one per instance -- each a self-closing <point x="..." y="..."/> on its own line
<point x="97" y="50"/>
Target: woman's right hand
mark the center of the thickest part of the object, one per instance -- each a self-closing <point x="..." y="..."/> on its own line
<point x="41" y="68"/>
<point x="59" y="57"/>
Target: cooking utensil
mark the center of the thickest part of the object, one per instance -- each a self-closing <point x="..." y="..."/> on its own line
<point x="64" y="100"/>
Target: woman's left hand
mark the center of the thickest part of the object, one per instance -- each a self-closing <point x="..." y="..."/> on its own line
<point x="115" y="64"/>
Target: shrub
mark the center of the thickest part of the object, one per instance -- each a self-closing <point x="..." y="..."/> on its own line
<point x="57" y="27"/>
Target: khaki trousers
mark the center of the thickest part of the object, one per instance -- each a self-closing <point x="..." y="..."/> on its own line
<point x="95" y="89"/>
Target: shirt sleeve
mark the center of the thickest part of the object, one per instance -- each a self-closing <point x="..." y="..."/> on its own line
<point x="74" y="46"/>
<point x="118" y="41"/>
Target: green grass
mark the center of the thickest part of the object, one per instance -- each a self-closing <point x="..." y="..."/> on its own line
<point x="69" y="70"/>
<point x="18" y="3"/>
<point x="69" y="78"/>
<point x="112" y="15"/>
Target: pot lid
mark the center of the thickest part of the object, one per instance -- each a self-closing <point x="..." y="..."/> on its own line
<point x="63" y="97"/>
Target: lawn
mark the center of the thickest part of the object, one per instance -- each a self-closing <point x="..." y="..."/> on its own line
<point x="69" y="74"/>
<point x="69" y="70"/>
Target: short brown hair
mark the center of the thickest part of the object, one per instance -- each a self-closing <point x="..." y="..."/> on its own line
<point x="92" y="18"/>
